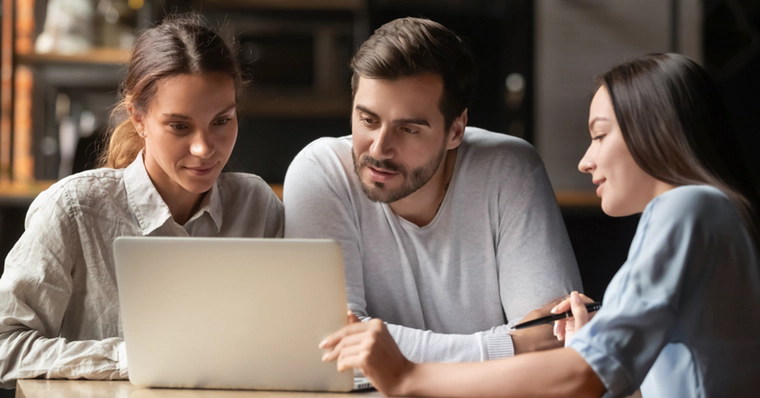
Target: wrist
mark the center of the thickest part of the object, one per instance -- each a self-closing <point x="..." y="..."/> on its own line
<point x="519" y="342"/>
<point x="409" y="380"/>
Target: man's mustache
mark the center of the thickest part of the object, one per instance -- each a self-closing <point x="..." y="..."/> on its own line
<point x="382" y="164"/>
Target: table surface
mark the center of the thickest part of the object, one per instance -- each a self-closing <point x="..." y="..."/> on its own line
<point x="124" y="389"/>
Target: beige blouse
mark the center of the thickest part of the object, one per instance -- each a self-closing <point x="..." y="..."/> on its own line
<point x="59" y="308"/>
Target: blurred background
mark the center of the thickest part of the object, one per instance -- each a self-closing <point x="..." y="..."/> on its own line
<point x="62" y="61"/>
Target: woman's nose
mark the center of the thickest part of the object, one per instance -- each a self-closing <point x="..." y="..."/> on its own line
<point x="587" y="165"/>
<point x="202" y="145"/>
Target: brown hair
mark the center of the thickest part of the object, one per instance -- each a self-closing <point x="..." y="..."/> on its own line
<point x="678" y="130"/>
<point x="179" y="45"/>
<point x="412" y="46"/>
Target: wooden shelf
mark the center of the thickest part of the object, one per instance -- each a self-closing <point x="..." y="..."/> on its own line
<point x="277" y="188"/>
<point x="330" y="5"/>
<point x="96" y="56"/>
<point x="578" y="199"/>
<point x="21" y="193"/>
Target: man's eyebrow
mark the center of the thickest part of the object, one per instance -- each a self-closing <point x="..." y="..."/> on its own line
<point x="421" y="122"/>
<point x="366" y="110"/>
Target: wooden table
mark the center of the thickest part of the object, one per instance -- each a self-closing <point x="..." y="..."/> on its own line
<point x="124" y="389"/>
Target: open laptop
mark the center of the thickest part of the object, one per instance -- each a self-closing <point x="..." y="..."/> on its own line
<point x="231" y="313"/>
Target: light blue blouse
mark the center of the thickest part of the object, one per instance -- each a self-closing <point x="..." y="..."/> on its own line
<point x="681" y="318"/>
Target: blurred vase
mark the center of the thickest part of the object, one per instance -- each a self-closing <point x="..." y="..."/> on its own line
<point x="67" y="28"/>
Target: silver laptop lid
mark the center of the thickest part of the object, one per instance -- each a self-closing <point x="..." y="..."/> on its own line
<point x="231" y="313"/>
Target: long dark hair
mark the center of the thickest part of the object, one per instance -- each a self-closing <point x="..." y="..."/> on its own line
<point x="678" y="130"/>
<point x="181" y="44"/>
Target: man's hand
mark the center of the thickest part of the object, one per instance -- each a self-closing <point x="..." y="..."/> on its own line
<point x="369" y="347"/>
<point x="537" y="338"/>
<point x="564" y="329"/>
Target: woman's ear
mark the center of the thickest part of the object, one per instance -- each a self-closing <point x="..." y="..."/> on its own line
<point x="456" y="131"/>
<point x="137" y="120"/>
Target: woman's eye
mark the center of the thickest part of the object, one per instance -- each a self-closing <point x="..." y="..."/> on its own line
<point x="598" y="137"/>
<point x="178" y="126"/>
<point x="222" y="121"/>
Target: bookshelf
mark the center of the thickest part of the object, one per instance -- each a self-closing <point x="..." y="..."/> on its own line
<point x="21" y="194"/>
<point x="295" y="50"/>
<point x="96" y="56"/>
<point x="31" y="82"/>
<point x="332" y="5"/>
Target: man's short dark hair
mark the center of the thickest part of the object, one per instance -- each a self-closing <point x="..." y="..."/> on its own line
<point x="411" y="46"/>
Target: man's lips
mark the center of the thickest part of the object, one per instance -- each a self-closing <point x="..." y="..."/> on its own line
<point x="380" y="175"/>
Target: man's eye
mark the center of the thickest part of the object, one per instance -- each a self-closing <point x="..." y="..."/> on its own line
<point x="409" y="130"/>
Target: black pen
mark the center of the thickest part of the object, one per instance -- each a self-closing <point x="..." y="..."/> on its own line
<point x="590" y="307"/>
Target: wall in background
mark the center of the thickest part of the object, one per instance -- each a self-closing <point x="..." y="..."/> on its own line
<point x="577" y="40"/>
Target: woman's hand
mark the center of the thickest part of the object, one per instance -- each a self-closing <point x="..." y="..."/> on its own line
<point x="369" y="347"/>
<point x="537" y="338"/>
<point x="565" y="329"/>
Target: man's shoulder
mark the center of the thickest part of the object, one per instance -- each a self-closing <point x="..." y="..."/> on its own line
<point x="488" y="148"/>
<point x="327" y="156"/>
<point x="317" y="149"/>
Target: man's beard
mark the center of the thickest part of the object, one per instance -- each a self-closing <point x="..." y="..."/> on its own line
<point x="413" y="180"/>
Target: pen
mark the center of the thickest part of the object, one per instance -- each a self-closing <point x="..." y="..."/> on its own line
<point x="590" y="307"/>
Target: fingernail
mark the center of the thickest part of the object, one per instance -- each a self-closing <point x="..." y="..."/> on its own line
<point x="554" y="309"/>
<point x="322" y="343"/>
<point x="324" y="358"/>
<point x="576" y="298"/>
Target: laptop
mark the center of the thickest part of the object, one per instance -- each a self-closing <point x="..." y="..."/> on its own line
<point x="231" y="313"/>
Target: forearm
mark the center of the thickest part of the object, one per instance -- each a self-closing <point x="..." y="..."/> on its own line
<point x="426" y="346"/>
<point x="555" y="373"/>
<point x="26" y="354"/>
<point x="537" y="338"/>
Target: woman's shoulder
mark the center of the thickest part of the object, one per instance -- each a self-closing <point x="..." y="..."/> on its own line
<point x="704" y="204"/>
<point x="77" y="191"/>
<point x="85" y="184"/>
<point x="693" y="197"/>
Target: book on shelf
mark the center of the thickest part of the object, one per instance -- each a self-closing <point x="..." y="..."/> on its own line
<point x="16" y="158"/>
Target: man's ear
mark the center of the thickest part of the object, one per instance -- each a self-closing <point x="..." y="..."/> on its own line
<point x="137" y="120"/>
<point x="456" y="131"/>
